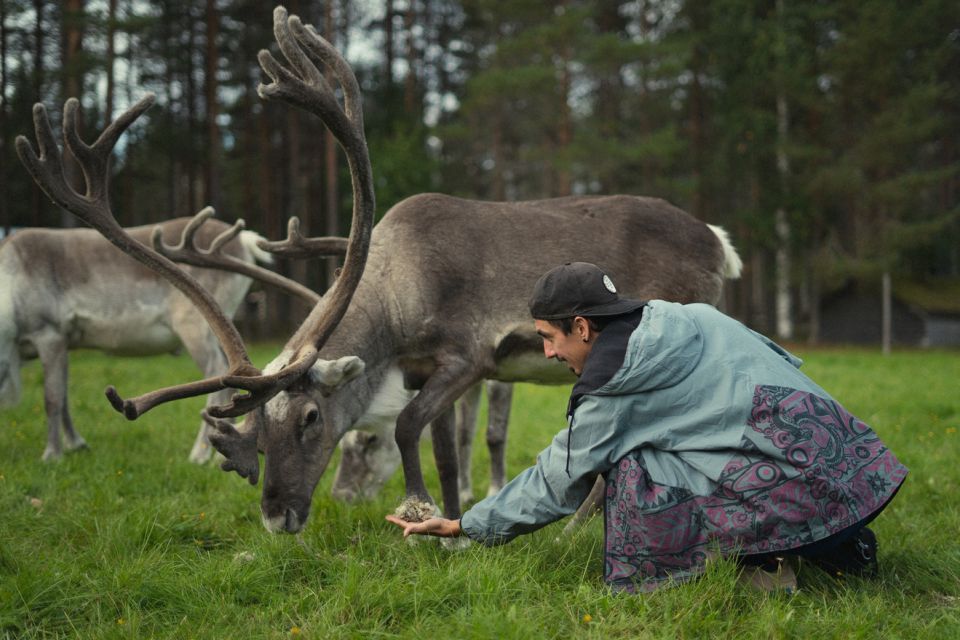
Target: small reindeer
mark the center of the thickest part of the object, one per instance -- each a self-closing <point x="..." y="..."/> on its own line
<point x="434" y="299"/>
<point x="63" y="289"/>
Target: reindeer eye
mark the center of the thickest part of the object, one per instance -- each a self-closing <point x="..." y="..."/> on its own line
<point x="311" y="416"/>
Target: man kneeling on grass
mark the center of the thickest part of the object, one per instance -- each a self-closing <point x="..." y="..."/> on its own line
<point x="710" y="440"/>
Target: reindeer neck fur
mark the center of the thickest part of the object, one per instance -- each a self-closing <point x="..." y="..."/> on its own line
<point x="365" y="331"/>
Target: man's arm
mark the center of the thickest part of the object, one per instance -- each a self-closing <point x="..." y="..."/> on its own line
<point x="544" y="492"/>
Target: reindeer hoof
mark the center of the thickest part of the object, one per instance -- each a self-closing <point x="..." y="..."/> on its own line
<point x="417" y="510"/>
<point x="50" y="455"/>
<point x="78" y="445"/>
<point x="413" y="541"/>
<point x="456" y="544"/>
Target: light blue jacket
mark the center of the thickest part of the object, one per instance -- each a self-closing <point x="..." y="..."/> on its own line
<point x="682" y="397"/>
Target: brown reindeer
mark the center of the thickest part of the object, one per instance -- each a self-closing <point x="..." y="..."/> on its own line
<point x="433" y="299"/>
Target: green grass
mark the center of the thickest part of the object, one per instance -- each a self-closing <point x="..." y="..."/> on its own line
<point x="129" y="540"/>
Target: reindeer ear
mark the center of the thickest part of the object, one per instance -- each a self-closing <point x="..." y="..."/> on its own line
<point x="332" y="373"/>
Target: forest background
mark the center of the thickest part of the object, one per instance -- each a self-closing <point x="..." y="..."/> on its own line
<point x="824" y="135"/>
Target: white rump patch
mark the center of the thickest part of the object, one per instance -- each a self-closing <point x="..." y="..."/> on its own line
<point x="732" y="264"/>
<point x="249" y="240"/>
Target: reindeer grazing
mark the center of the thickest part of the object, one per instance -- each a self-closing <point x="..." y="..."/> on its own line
<point x="371" y="456"/>
<point x="63" y="289"/>
<point x="433" y="299"/>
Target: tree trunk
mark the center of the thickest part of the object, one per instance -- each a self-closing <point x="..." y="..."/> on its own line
<point x="697" y="110"/>
<point x="813" y="336"/>
<point x="166" y="30"/>
<point x="37" y="200"/>
<point x="499" y="185"/>
<point x="189" y="159"/>
<point x="564" y="184"/>
<point x="886" y="337"/>
<point x="71" y="47"/>
<point x="389" y="48"/>
<point x="410" y="84"/>
<point x="212" y="168"/>
<point x="111" y="54"/>
<point x="5" y="221"/>
<point x="784" y="312"/>
<point x="331" y="195"/>
<point x="758" y="298"/>
<point x="133" y="207"/>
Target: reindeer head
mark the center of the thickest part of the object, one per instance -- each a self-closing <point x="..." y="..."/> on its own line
<point x="298" y="431"/>
<point x="287" y="418"/>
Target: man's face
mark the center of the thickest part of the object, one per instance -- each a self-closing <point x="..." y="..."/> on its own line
<point x="572" y="348"/>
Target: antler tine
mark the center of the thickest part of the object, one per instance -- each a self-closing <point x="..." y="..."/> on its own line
<point x="310" y="93"/>
<point x="94" y="209"/>
<point x="298" y="247"/>
<point x="94" y="160"/>
<point x="228" y="235"/>
<point x="188" y="252"/>
<point x="321" y="48"/>
<point x="239" y="448"/>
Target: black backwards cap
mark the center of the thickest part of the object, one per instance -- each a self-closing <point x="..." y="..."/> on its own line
<point x="577" y="289"/>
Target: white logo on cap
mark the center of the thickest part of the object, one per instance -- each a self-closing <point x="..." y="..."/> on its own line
<point x="608" y="283"/>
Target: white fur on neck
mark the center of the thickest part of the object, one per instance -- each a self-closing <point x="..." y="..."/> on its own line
<point x="388" y="401"/>
<point x="278" y="406"/>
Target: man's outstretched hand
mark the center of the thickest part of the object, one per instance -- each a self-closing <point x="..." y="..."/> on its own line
<point x="440" y="527"/>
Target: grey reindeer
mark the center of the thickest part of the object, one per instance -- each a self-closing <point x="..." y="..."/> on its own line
<point x="433" y="299"/>
<point x="64" y="289"/>
<point x="369" y="454"/>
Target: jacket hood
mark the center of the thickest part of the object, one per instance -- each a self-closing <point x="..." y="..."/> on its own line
<point x="661" y="352"/>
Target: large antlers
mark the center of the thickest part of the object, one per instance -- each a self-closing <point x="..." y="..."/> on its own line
<point x="304" y="86"/>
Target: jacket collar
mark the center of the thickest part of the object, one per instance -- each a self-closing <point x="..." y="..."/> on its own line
<point x="606" y="357"/>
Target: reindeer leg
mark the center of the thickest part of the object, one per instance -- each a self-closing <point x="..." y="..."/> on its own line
<point x="203" y="347"/>
<point x="589" y="507"/>
<point x="466" y="426"/>
<point x="443" y="435"/>
<point x="441" y="390"/>
<point x="74" y="439"/>
<point x="52" y="350"/>
<point x="499" y="400"/>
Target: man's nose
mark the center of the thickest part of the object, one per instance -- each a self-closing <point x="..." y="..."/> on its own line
<point x="548" y="351"/>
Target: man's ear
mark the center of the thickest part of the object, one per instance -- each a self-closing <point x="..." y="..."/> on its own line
<point x="332" y="373"/>
<point x="581" y="327"/>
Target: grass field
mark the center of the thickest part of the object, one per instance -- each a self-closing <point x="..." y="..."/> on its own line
<point x="129" y="540"/>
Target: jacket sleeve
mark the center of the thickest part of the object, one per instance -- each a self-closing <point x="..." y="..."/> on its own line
<point x="545" y="492"/>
